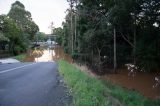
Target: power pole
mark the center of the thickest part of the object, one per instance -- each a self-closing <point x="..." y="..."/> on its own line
<point x="115" y="57"/>
<point x="75" y="26"/>
<point x="51" y="27"/>
<point x="134" y="49"/>
<point x="72" y="30"/>
<point x="72" y="36"/>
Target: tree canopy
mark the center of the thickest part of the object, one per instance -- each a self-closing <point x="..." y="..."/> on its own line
<point x="90" y="24"/>
<point x="17" y="28"/>
<point x="23" y="19"/>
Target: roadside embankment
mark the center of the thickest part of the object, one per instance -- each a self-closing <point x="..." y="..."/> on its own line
<point x="91" y="91"/>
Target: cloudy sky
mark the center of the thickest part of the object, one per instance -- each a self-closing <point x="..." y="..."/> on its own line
<point x="43" y="11"/>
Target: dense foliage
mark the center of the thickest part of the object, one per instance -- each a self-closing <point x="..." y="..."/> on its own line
<point x="40" y="37"/>
<point x="58" y="33"/>
<point x="13" y="33"/>
<point x="23" y="19"/>
<point x="90" y="27"/>
<point x="17" y="29"/>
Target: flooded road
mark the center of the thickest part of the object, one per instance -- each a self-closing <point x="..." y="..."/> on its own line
<point x="142" y="82"/>
<point x="46" y="54"/>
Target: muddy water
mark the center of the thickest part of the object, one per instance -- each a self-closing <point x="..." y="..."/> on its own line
<point x="142" y="82"/>
<point x="46" y="54"/>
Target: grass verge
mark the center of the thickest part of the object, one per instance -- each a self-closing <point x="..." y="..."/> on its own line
<point x="89" y="91"/>
<point x="130" y="97"/>
<point x="86" y="90"/>
<point x="20" y="57"/>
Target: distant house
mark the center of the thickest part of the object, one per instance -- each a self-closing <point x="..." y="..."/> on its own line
<point x="49" y="41"/>
<point x="51" y="37"/>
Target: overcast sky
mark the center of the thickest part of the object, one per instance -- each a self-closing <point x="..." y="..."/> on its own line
<point x="43" y="11"/>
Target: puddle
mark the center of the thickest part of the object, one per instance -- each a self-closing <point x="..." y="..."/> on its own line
<point x="46" y="54"/>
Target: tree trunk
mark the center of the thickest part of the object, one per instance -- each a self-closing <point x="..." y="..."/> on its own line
<point x="99" y="60"/>
<point x="92" y="57"/>
<point x="78" y="42"/>
<point x="115" y="58"/>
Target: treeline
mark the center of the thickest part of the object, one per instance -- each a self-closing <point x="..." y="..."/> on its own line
<point x="107" y="34"/>
<point x="17" y="29"/>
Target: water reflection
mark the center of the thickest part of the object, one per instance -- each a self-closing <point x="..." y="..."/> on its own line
<point x="44" y="54"/>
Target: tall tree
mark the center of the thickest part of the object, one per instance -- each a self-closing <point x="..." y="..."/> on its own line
<point x="134" y="20"/>
<point x="13" y="33"/>
<point x="23" y="19"/>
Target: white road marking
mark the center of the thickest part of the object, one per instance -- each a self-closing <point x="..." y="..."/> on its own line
<point x="4" y="71"/>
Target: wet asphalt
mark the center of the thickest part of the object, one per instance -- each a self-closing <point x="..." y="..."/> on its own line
<point x="32" y="84"/>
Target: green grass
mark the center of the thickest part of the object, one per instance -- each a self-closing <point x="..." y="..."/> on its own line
<point x="86" y="90"/>
<point x="89" y="91"/>
<point x="20" y="57"/>
<point x="129" y="97"/>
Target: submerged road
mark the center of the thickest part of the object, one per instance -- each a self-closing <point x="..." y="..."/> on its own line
<point x="32" y="84"/>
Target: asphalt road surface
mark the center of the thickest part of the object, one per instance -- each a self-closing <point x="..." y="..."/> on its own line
<point x="32" y="84"/>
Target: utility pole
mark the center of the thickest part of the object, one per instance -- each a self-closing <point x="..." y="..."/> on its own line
<point x="115" y="57"/>
<point x="72" y="29"/>
<point x="71" y="15"/>
<point x="51" y="27"/>
<point x="75" y="26"/>
<point x="115" y="52"/>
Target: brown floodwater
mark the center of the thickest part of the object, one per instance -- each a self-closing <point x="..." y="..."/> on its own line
<point x="44" y="54"/>
<point x="142" y="82"/>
